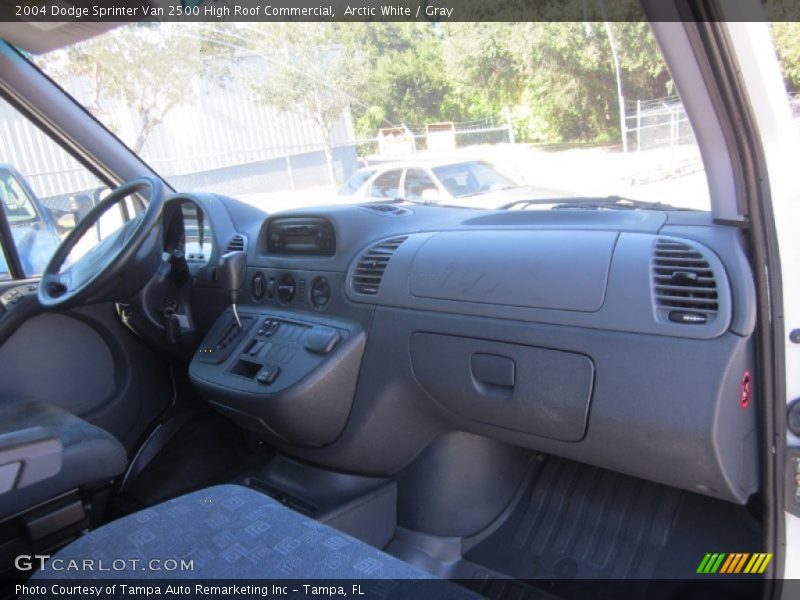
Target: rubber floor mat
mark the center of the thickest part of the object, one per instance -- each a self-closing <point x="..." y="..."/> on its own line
<point x="579" y="521"/>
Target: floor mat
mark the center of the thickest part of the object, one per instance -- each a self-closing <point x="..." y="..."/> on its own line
<point x="205" y="451"/>
<point x="577" y="521"/>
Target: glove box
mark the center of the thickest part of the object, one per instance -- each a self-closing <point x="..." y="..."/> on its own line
<point x="532" y="390"/>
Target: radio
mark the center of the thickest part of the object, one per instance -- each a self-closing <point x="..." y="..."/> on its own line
<point x="303" y="236"/>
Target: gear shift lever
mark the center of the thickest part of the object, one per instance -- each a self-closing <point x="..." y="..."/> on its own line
<point x="230" y="274"/>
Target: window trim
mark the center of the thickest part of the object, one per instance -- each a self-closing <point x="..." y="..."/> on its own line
<point x="427" y="172"/>
<point x="10" y="252"/>
<point x="41" y="99"/>
<point x="7" y="94"/>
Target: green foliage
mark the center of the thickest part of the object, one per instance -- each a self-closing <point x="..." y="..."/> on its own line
<point x="784" y="19"/>
<point x="306" y="70"/>
<point x="401" y="79"/>
<point x="786" y="36"/>
<point x="557" y="78"/>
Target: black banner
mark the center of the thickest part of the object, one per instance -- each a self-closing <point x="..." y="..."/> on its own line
<point x="49" y="11"/>
<point x="711" y="587"/>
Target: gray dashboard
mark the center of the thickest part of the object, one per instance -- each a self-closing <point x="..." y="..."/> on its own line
<point x="617" y="338"/>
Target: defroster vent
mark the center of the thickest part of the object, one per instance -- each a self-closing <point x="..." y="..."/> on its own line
<point x="367" y="276"/>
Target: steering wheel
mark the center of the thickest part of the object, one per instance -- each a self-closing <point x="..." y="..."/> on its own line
<point x="118" y="265"/>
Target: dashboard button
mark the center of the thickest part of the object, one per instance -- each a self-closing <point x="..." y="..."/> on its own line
<point x="689" y="318"/>
<point x="268" y="374"/>
<point x="321" y="340"/>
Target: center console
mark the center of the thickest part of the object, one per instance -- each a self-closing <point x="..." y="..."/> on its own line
<point x="281" y="374"/>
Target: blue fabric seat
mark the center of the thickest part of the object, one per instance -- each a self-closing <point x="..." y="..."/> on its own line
<point x="92" y="457"/>
<point x="229" y="532"/>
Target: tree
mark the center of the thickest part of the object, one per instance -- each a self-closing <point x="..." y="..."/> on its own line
<point x="403" y="79"/>
<point x="557" y="76"/>
<point x="140" y="64"/>
<point x="486" y="65"/>
<point x="306" y="71"/>
<point x="786" y="37"/>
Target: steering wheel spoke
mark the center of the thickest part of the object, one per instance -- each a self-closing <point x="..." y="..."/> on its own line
<point x="93" y="276"/>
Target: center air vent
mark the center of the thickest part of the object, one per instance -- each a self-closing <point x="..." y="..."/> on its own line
<point x="369" y="271"/>
<point x="684" y="283"/>
<point x="236" y="244"/>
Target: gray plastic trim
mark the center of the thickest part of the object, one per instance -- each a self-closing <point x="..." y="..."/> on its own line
<point x="628" y="304"/>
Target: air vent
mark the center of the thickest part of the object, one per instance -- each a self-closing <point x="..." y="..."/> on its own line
<point x="683" y="282"/>
<point x="369" y="270"/>
<point x="236" y="244"/>
<point x="388" y="209"/>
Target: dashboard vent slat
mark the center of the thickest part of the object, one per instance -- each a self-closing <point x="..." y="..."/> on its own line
<point x="368" y="274"/>
<point x="683" y="280"/>
<point x="236" y="243"/>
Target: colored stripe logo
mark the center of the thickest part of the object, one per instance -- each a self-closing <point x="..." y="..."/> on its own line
<point x="734" y="563"/>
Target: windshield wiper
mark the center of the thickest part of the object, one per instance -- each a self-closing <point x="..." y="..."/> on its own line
<point x="393" y="200"/>
<point x="497" y="189"/>
<point x="589" y="203"/>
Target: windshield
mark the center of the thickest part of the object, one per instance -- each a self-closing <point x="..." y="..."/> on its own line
<point x="466" y="179"/>
<point x="355" y="182"/>
<point x="282" y="115"/>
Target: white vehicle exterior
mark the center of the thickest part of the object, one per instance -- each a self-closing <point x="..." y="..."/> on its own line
<point x="424" y="182"/>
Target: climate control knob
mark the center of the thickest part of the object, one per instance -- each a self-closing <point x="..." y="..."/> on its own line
<point x="286" y="288"/>
<point x="320" y="293"/>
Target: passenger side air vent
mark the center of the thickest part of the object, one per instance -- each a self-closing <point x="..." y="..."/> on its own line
<point x="683" y="282"/>
<point x="236" y="244"/>
<point x="369" y="271"/>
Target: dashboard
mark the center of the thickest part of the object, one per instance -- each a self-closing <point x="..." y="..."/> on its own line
<point x="617" y="338"/>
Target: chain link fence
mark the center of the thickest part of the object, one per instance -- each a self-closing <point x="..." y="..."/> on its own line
<point x="663" y="122"/>
<point x="657" y="123"/>
<point x="490" y="130"/>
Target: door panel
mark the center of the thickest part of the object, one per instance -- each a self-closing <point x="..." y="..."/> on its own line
<point x="57" y="356"/>
<point x="87" y="362"/>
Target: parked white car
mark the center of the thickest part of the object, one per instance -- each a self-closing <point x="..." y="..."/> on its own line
<point x="435" y="182"/>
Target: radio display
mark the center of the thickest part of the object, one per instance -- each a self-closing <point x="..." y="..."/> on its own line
<point x="300" y="236"/>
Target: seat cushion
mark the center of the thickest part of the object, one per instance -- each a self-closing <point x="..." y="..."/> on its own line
<point x="92" y="456"/>
<point x="230" y="532"/>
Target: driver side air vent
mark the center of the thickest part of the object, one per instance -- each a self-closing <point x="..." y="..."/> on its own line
<point x="683" y="282"/>
<point x="369" y="271"/>
<point x="236" y="244"/>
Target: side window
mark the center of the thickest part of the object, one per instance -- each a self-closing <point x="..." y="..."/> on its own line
<point x="455" y="178"/>
<point x="387" y="185"/>
<point x="44" y="192"/>
<point x="355" y="182"/>
<point x="417" y="182"/>
<point x="5" y="275"/>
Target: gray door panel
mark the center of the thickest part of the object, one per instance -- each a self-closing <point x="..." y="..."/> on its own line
<point x="88" y="363"/>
